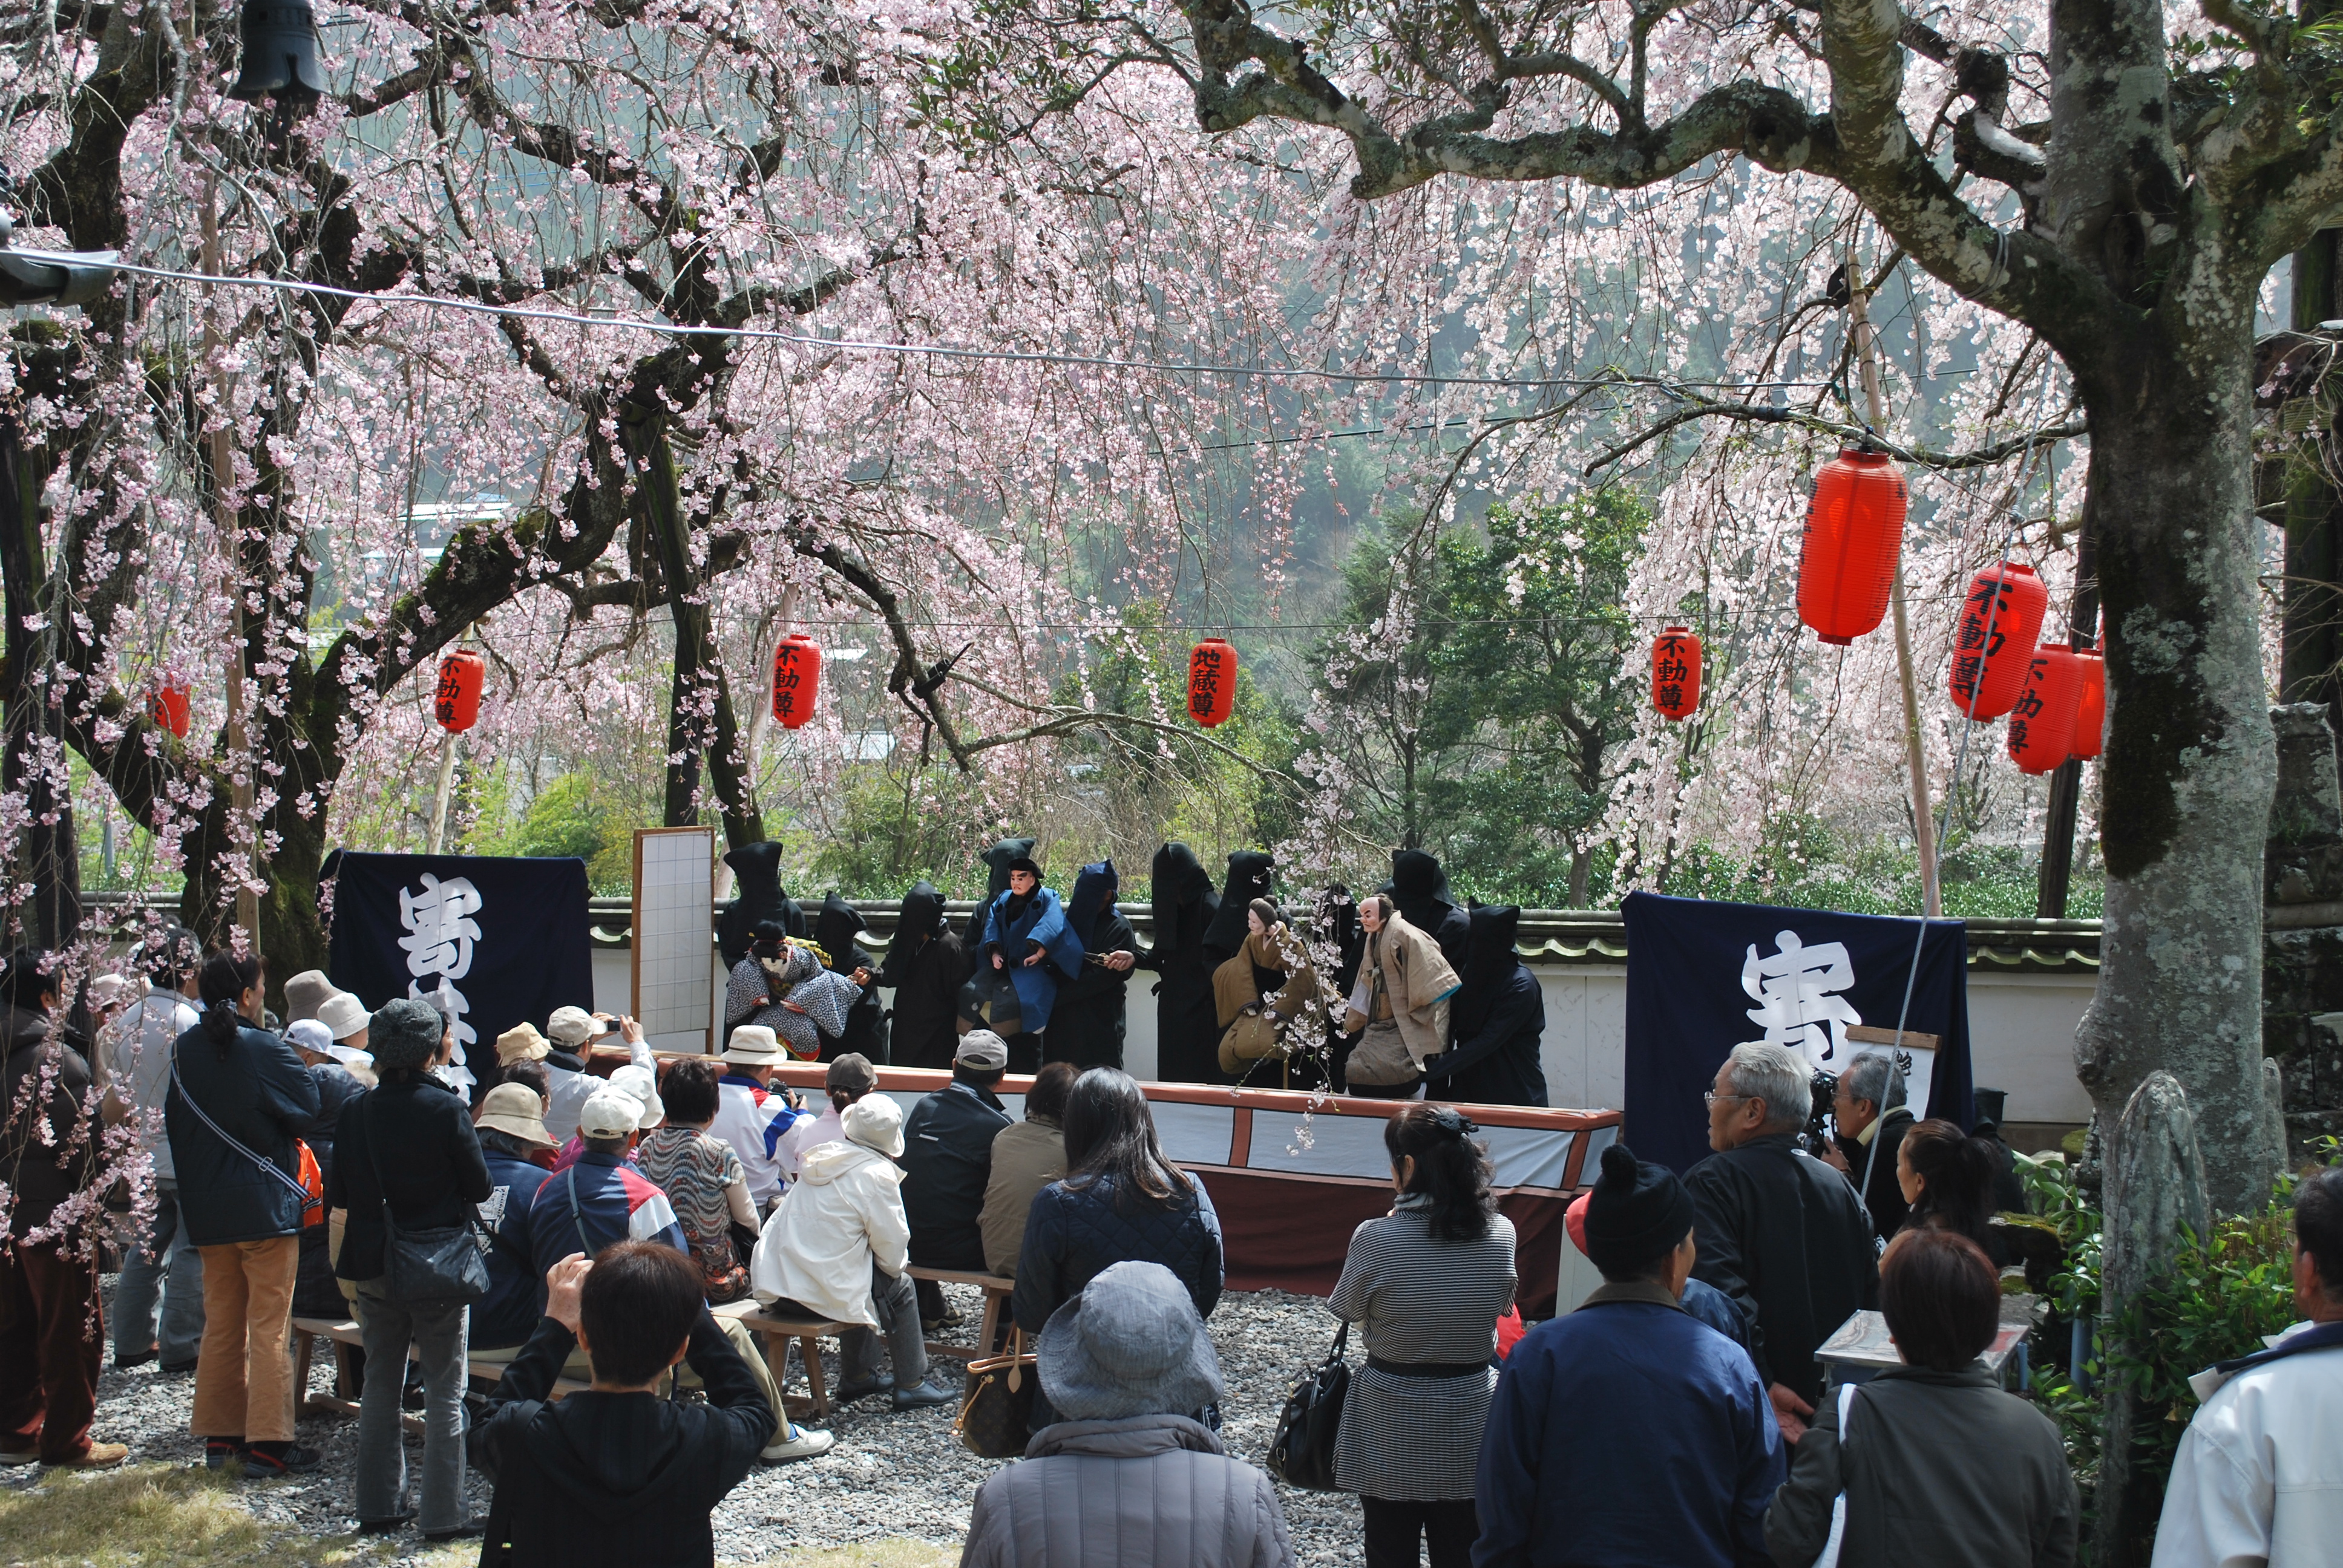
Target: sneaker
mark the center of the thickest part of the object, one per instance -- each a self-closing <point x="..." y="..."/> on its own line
<point x="96" y="1456"/>
<point x="950" y="1320"/>
<point x="135" y="1359"/>
<point x="924" y="1396"/>
<point x="20" y="1456"/>
<point x="279" y="1460"/>
<point x="847" y="1393"/>
<point x="802" y="1443"/>
<point x="224" y="1454"/>
<point x="179" y="1369"/>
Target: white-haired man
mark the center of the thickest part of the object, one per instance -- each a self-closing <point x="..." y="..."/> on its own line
<point x="1779" y="1230"/>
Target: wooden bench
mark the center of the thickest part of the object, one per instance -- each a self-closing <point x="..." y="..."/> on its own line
<point x="344" y="1399"/>
<point x="779" y="1333"/>
<point x="997" y="1289"/>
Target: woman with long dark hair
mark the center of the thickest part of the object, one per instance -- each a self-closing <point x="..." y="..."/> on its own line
<point x="1426" y="1284"/>
<point x="237" y="1100"/>
<point x="1122" y="1199"/>
<point x="1947" y="1180"/>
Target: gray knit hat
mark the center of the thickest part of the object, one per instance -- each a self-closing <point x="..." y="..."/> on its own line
<point x="1130" y="1344"/>
<point x="404" y="1033"/>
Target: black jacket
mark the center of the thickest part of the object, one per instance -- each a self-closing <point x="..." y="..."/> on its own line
<point x="262" y="1096"/>
<point x="1782" y="1233"/>
<point x="1501" y="1062"/>
<point x="47" y="1153"/>
<point x="761" y="897"/>
<point x="947" y="1163"/>
<point x="926" y="976"/>
<point x="1187" y="1025"/>
<point x="1419" y="888"/>
<point x="616" y="1478"/>
<point x="1086" y="1026"/>
<point x="1883" y="1195"/>
<point x="834" y="930"/>
<point x="430" y="1157"/>
<point x="1941" y="1470"/>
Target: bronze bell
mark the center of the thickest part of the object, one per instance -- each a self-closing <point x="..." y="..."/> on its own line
<point x="280" y="53"/>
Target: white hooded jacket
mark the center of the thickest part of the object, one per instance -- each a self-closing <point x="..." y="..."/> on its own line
<point x="845" y="1209"/>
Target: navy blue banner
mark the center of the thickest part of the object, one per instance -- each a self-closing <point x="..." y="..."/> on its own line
<point x="1703" y="978"/>
<point x="496" y="941"/>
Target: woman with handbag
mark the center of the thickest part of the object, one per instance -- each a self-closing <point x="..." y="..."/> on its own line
<point x="1426" y="1284"/>
<point x="1263" y="993"/>
<point x="408" y="1168"/>
<point x="237" y="1096"/>
<point x="703" y="1178"/>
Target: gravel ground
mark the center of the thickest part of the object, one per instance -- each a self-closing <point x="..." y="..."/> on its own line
<point x="889" y="1475"/>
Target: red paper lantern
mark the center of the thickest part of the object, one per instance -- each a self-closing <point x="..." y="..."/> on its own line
<point x="1854" y="531"/>
<point x="2042" y="721"/>
<point x="797" y="679"/>
<point x="2091" y="707"/>
<point x="455" y="702"/>
<point x="1676" y="672"/>
<point x="2001" y="620"/>
<point x="1211" y="681"/>
<point x="169" y="709"/>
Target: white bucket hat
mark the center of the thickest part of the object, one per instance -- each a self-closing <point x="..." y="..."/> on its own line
<point x="754" y="1045"/>
<point x="875" y="1121"/>
<point x="639" y="1084"/>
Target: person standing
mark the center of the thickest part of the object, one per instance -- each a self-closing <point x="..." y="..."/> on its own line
<point x="1498" y="1018"/>
<point x="1252" y="874"/>
<point x="925" y="965"/>
<point x="1026" y="939"/>
<point x="1871" y="1119"/>
<point x="1187" y="1042"/>
<point x="1426" y="1284"/>
<point x="947" y="1162"/>
<point x="1939" y="1467"/>
<point x="1946" y="1179"/>
<point x="1086" y="1027"/>
<point x="1419" y="890"/>
<point x="1780" y="1232"/>
<point x="407" y="1156"/>
<point x="163" y="1266"/>
<point x="2259" y="1476"/>
<point x="51" y="1328"/>
<point x="1399" y="1007"/>
<point x="239" y="1096"/>
<point x="1627" y="1433"/>
<point x="1027" y="1156"/>
<point x="834" y="933"/>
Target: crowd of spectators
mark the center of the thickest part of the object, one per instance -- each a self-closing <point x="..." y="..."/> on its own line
<point x="1677" y="1415"/>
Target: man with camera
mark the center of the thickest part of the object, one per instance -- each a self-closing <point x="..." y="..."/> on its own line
<point x="1869" y="1112"/>
<point x="1776" y="1229"/>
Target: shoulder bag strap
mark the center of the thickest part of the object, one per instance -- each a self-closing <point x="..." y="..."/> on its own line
<point x="576" y="1214"/>
<point x="229" y="1138"/>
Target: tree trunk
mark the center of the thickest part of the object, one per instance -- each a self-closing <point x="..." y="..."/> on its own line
<point x="2310" y="658"/>
<point x="51" y="860"/>
<point x="2191" y="761"/>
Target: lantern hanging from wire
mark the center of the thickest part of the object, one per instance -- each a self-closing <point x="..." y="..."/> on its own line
<point x="1676" y="672"/>
<point x="1211" y="681"/>
<point x="2001" y="620"/>
<point x="168" y="708"/>
<point x="1854" y="531"/>
<point x="797" y="679"/>
<point x="456" y="700"/>
<point x="280" y="49"/>
<point x="2042" y="721"/>
<point x="2091" y="707"/>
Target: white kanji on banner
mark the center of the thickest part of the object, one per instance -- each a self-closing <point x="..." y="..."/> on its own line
<point x="440" y="932"/>
<point x="1797" y="989"/>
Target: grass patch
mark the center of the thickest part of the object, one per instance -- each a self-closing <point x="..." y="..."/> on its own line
<point x="897" y="1554"/>
<point x="156" y="1514"/>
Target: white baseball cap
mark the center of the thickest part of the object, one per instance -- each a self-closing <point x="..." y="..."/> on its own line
<point x="610" y="1113"/>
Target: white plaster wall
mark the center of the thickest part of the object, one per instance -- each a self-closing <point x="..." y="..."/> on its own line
<point x="2021" y="1032"/>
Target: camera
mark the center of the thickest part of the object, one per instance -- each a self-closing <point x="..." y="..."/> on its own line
<point x="1823" y="1088"/>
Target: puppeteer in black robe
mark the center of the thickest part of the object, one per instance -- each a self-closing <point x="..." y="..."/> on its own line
<point x="1187" y="1027"/>
<point x="1251" y="874"/>
<point x="926" y="966"/>
<point x="1419" y="888"/>
<point x="1497" y="1021"/>
<point x="1086" y="1026"/>
<point x="834" y="930"/>
<point x="760" y="896"/>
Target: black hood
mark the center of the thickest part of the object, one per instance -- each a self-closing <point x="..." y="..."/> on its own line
<point x="1095" y="886"/>
<point x="1182" y="898"/>
<point x="997" y="861"/>
<point x="757" y="868"/>
<point x="1251" y="874"/>
<point x="835" y="928"/>
<point x="1489" y="964"/>
<point x="1337" y="921"/>
<point x="921" y="915"/>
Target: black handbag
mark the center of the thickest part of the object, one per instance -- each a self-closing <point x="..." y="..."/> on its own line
<point x="1302" y="1453"/>
<point x="996" y="1414"/>
<point x="438" y="1266"/>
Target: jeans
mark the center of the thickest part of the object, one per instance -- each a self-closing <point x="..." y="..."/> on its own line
<point x="244" y="1380"/>
<point x="436" y="1332"/>
<point x="1394" y="1528"/>
<point x="50" y="1350"/>
<point x="163" y="1267"/>
<point x="898" y="1310"/>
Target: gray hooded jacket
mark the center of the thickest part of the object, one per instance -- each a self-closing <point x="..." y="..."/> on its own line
<point x="1146" y="1492"/>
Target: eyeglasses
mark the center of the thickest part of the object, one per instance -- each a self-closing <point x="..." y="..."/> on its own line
<point x="1711" y="1099"/>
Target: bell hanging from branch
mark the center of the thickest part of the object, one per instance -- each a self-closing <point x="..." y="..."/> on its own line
<point x="280" y="55"/>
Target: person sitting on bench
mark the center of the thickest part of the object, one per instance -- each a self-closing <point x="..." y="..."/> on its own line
<point x="616" y="1473"/>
